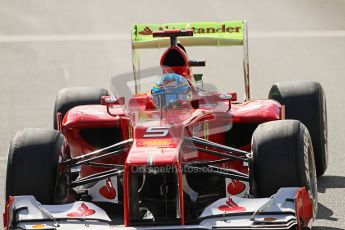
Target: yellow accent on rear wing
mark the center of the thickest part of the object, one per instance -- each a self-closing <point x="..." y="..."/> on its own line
<point x="228" y="33"/>
<point x="204" y="34"/>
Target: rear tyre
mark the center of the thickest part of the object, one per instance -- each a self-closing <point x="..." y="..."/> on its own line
<point x="306" y="101"/>
<point x="70" y="97"/>
<point x="282" y="157"/>
<point x="32" y="164"/>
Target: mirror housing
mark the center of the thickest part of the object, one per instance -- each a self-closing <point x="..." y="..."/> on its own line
<point x="112" y="100"/>
<point x="234" y="96"/>
<point x="198" y="77"/>
<point x="229" y="97"/>
<point x="225" y="97"/>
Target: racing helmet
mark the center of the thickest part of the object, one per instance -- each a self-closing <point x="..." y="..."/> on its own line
<point x="170" y="89"/>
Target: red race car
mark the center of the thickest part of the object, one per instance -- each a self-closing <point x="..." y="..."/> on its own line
<point x="176" y="156"/>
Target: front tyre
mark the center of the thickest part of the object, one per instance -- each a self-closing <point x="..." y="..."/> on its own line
<point x="282" y="157"/>
<point x="33" y="162"/>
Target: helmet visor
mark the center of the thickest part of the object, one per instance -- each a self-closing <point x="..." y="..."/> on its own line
<point x="165" y="99"/>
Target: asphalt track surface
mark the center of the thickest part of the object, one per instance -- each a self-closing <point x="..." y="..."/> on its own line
<point x="48" y="45"/>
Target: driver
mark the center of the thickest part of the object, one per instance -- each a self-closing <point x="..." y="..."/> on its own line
<point x="171" y="90"/>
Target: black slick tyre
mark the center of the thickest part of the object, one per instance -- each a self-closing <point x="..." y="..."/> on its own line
<point x="306" y="101"/>
<point x="70" y="97"/>
<point x="282" y="156"/>
<point x="32" y="164"/>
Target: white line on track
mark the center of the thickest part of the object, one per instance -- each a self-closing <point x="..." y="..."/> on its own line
<point x="299" y="34"/>
<point x="121" y="36"/>
<point x="63" y="37"/>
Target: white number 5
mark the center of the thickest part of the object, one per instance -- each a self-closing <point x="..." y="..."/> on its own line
<point x="156" y="132"/>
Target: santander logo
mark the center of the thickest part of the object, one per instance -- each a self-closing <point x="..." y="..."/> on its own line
<point x="221" y="29"/>
<point x="108" y="191"/>
<point x="230" y="206"/>
<point x="83" y="210"/>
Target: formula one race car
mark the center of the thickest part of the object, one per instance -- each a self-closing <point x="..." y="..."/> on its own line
<point x="174" y="157"/>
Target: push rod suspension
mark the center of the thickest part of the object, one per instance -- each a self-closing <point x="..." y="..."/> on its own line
<point x="104" y="165"/>
<point x="192" y="169"/>
<point x="104" y="155"/>
<point x="96" y="177"/>
<point x="200" y="141"/>
<point x="219" y="154"/>
<point x="100" y="153"/>
<point x="206" y="163"/>
<point x="226" y="170"/>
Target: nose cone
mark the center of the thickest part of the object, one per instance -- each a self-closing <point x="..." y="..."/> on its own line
<point x="152" y="156"/>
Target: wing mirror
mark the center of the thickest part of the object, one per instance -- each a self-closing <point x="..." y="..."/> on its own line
<point x="225" y="97"/>
<point x="110" y="101"/>
<point x="229" y="97"/>
<point x="198" y="78"/>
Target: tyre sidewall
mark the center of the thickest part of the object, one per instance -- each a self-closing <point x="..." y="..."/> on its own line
<point x="277" y="148"/>
<point x="33" y="160"/>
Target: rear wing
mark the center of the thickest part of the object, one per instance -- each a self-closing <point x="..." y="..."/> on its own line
<point x="204" y="34"/>
<point x="228" y="33"/>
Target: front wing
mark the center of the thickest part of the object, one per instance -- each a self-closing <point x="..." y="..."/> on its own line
<point x="289" y="208"/>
